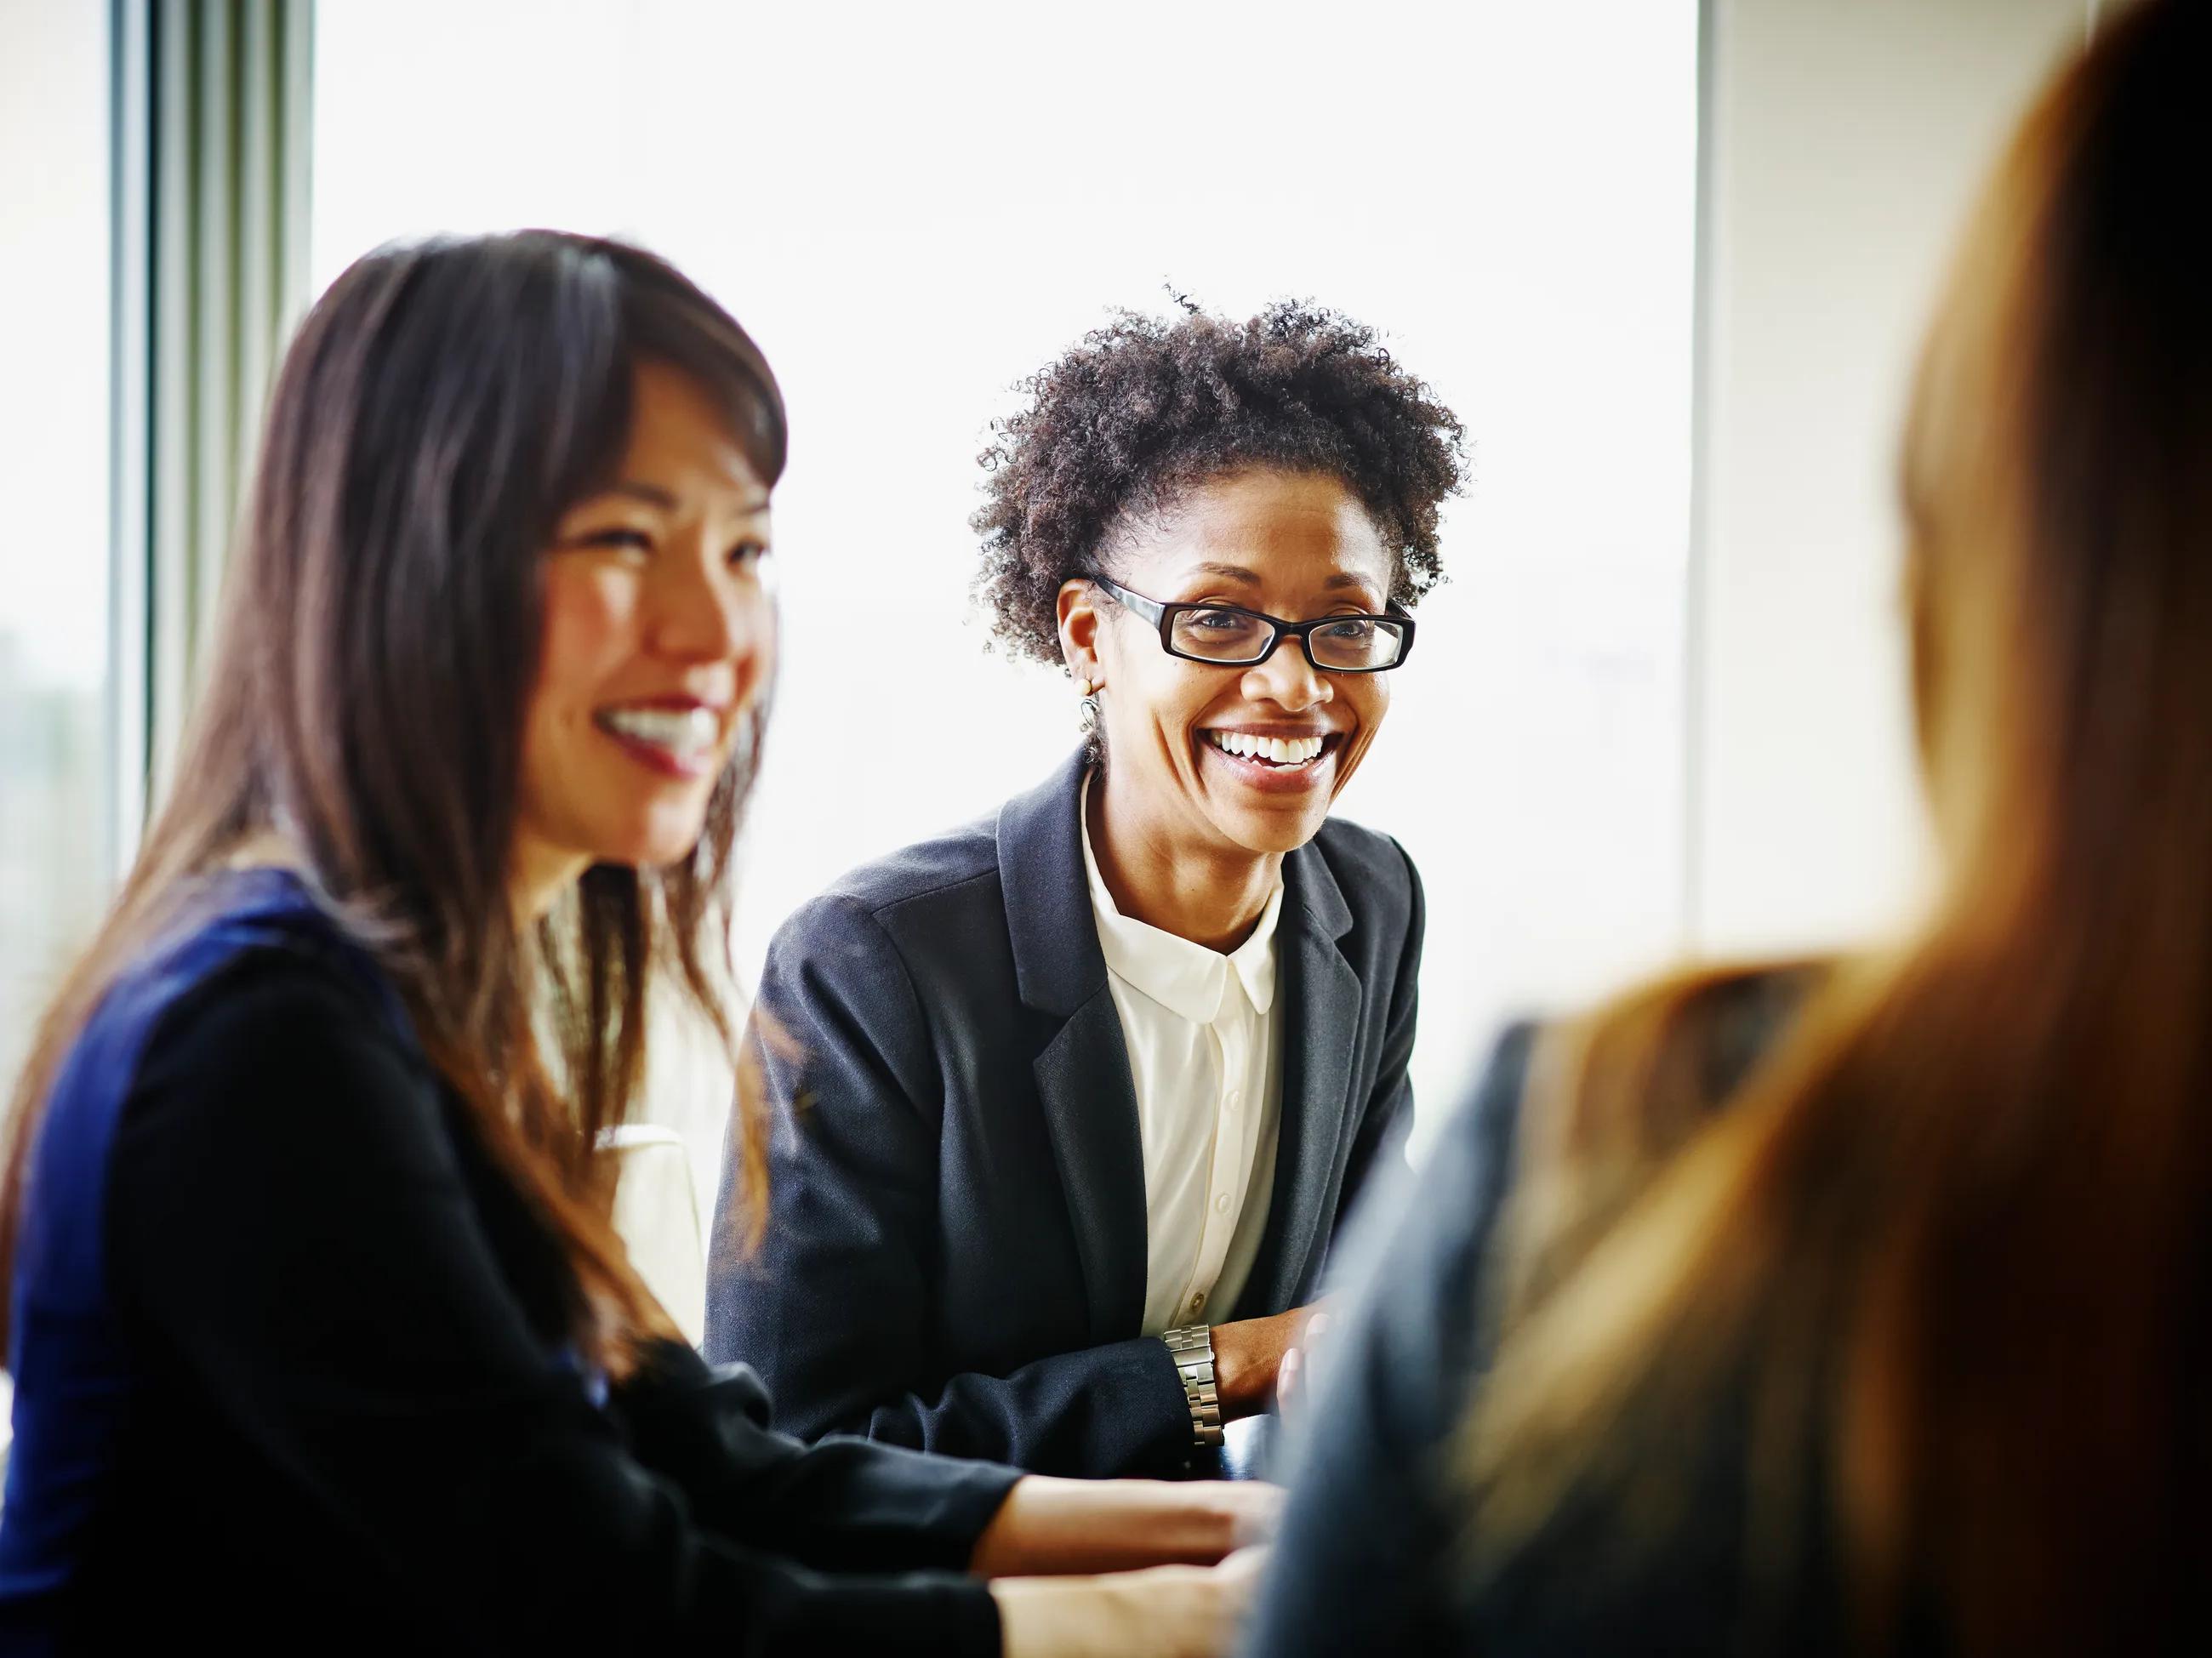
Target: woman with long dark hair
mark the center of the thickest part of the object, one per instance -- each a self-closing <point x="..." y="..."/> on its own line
<point x="1864" y="1307"/>
<point x="320" y="1334"/>
<point x="1080" y="1092"/>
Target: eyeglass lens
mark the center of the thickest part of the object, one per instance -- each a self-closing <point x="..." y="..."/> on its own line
<point x="1354" y="643"/>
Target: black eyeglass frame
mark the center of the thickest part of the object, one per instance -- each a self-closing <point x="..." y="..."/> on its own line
<point x="1162" y="616"/>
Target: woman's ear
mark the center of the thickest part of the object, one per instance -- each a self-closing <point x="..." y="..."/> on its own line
<point x="1078" y="630"/>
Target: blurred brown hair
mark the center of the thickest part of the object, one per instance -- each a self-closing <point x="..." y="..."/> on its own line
<point x="442" y="405"/>
<point x="1954" y="1232"/>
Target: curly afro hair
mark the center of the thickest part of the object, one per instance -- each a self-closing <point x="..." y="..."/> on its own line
<point x="1142" y="409"/>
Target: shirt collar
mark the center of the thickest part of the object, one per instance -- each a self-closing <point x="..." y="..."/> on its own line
<point x="1187" y="979"/>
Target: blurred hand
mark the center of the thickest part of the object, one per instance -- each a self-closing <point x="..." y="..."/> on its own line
<point x="1048" y="1527"/>
<point x="1298" y="1362"/>
<point x="1247" y="1359"/>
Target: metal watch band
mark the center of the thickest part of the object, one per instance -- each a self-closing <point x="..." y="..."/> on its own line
<point x="1192" y="1348"/>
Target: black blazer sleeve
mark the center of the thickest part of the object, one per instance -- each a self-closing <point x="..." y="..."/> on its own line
<point x="1372" y="1552"/>
<point x="1365" y="1560"/>
<point x="842" y="1505"/>
<point x="836" y="1311"/>
<point x="291" y="1226"/>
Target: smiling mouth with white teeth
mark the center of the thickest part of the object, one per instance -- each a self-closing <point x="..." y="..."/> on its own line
<point x="1281" y="753"/>
<point x="683" y="740"/>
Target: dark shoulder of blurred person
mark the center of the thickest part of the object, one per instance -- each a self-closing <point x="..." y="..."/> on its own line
<point x="1374" y="1555"/>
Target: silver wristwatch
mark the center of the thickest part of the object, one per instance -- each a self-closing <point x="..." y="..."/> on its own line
<point x="1193" y="1348"/>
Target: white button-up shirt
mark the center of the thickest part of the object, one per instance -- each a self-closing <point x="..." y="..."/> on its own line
<point x="1204" y="1057"/>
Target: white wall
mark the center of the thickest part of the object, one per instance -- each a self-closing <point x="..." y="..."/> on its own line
<point x="1847" y="142"/>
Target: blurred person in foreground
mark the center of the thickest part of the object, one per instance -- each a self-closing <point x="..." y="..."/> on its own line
<point x="1864" y="1307"/>
<point x="321" y="1336"/>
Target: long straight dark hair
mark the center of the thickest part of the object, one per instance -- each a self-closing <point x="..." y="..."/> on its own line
<point x="1956" y="1234"/>
<point x="442" y="407"/>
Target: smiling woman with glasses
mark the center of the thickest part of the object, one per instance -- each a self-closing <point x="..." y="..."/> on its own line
<point x="1077" y="1095"/>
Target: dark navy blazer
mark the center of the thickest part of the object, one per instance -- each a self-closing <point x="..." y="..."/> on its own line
<point x="292" y="1368"/>
<point x="1374" y="1554"/>
<point x="955" y="1250"/>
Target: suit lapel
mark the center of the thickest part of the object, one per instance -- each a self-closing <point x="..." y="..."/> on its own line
<point x="1084" y="1085"/>
<point x="1091" y="1110"/>
<point x="1318" y="1006"/>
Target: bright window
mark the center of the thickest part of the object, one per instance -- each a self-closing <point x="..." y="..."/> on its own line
<point x="911" y="207"/>
<point x="57" y="770"/>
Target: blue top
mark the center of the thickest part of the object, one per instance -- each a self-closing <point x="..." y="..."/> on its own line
<point x="74" y="1377"/>
<point x="293" y="1367"/>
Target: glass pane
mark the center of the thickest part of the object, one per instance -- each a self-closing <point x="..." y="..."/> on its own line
<point x="1220" y="635"/>
<point x="1531" y="236"/>
<point x="55" y="774"/>
<point x="1357" y="643"/>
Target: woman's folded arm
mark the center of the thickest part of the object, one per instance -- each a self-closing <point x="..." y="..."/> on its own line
<point x="293" y="1233"/>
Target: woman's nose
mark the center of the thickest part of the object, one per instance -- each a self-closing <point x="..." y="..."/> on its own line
<point x="710" y="610"/>
<point x="1288" y="680"/>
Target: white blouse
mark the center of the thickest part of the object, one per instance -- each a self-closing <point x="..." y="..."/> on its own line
<point x="1205" y="1056"/>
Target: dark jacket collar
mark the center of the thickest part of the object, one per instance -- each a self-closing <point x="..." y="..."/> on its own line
<point x="1083" y="1073"/>
<point x="1058" y="965"/>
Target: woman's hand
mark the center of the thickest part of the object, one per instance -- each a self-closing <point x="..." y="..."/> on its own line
<point x="1298" y="1363"/>
<point x="1248" y="1356"/>
<point x="1167" y="1611"/>
<point x="1048" y="1527"/>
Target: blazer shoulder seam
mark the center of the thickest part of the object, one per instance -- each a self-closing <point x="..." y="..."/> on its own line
<point x="898" y="964"/>
<point x="1368" y="851"/>
<point x="880" y="908"/>
<point x="864" y="888"/>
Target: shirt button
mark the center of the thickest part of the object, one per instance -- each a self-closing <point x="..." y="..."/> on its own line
<point x="1221" y="1203"/>
<point x="1198" y="1302"/>
<point x="1234" y="1100"/>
